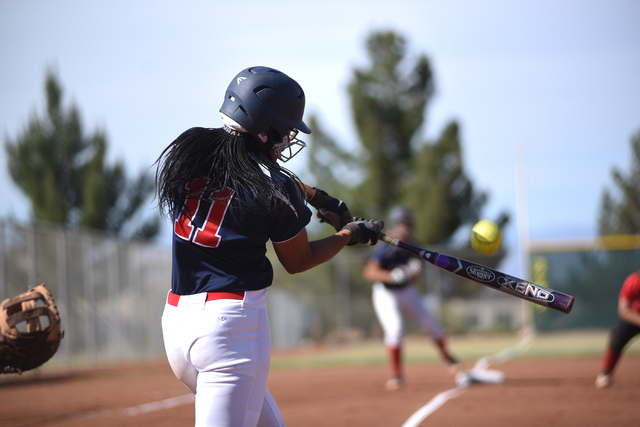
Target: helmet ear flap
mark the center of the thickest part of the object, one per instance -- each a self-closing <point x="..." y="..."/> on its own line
<point x="270" y="139"/>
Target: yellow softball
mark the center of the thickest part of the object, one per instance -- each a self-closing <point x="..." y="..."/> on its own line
<point x="486" y="237"/>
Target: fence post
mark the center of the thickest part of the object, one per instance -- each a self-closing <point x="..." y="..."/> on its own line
<point x="62" y="297"/>
<point x="3" y="272"/>
<point x="31" y="242"/>
<point x="89" y="303"/>
<point x="113" y="275"/>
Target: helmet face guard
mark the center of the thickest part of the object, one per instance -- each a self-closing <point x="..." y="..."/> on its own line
<point x="289" y="147"/>
<point x="269" y="105"/>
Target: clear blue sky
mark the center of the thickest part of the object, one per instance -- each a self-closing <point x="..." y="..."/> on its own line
<point x="561" y="78"/>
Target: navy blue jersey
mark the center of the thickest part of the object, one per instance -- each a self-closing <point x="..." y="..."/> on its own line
<point x="389" y="257"/>
<point x="221" y="246"/>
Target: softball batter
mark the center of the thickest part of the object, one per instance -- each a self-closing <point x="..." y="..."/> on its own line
<point x="228" y="196"/>
<point x="394" y="273"/>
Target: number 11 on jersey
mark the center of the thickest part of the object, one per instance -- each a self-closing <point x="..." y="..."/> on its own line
<point x="201" y="218"/>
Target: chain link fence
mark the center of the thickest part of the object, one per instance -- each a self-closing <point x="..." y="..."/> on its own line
<point x="110" y="293"/>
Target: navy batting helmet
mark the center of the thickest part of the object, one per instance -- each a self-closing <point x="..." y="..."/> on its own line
<point x="400" y="215"/>
<point x="266" y="102"/>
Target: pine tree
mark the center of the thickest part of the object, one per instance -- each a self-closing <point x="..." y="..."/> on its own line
<point x="395" y="164"/>
<point x="439" y="189"/>
<point x="621" y="215"/>
<point x="388" y="106"/>
<point x="65" y="176"/>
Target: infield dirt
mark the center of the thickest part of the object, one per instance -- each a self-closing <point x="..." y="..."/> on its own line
<point x="536" y="392"/>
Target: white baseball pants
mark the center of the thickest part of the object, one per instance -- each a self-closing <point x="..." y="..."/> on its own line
<point x="221" y="350"/>
<point x="390" y="303"/>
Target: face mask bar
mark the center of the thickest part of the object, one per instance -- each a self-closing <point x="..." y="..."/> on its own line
<point x="290" y="146"/>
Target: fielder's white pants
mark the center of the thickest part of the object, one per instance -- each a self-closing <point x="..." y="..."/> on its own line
<point x="221" y="350"/>
<point x="389" y="305"/>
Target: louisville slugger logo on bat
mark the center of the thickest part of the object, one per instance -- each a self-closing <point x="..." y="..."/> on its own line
<point x="489" y="277"/>
<point x="480" y="273"/>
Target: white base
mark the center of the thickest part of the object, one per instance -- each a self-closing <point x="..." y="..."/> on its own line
<point x="482" y="376"/>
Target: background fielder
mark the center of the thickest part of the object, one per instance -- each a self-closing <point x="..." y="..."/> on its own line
<point x="394" y="273"/>
<point x="628" y="327"/>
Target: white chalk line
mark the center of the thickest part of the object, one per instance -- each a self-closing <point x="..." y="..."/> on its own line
<point x="142" y="409"/>
<point x="479" y="373"/>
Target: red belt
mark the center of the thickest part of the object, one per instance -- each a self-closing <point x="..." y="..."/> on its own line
<point x="173" y="299"/>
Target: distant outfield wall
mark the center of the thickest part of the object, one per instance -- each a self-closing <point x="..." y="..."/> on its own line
<point x="591" y="270"/>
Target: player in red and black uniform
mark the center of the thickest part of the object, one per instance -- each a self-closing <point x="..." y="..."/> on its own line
<point x="628" y="327"/>
<point x="228" y="196"/>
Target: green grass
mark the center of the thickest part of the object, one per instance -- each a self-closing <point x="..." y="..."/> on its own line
<point x="419" y="349"/>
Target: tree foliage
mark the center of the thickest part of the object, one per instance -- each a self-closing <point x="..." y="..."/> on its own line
<point x="620" y="210"/>
<point x="65" y="175"/>
<point x="329" y="161"/>
<point x="395" y="164"/>
<point x="388" y="108"/>
<point x="439" y="189"/>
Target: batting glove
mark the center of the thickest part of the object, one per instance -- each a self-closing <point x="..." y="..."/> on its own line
<point x="414" y="266"/>
<point x="399" y="276"/>
<point x="364" y="231"/>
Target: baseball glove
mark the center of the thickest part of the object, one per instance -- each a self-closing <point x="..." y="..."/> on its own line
<point x="29" y="330"/>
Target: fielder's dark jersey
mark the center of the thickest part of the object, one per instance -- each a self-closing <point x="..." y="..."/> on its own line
<point x="221" y="246"/>
<point x="389" y="257"/>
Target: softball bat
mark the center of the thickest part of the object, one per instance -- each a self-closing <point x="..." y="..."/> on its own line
<point x="489" y="277"/>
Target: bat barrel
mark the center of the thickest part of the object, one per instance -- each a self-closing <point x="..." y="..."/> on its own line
<point x="561" y="302"/>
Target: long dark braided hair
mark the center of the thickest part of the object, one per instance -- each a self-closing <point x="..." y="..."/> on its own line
<point x="228" y="159"/>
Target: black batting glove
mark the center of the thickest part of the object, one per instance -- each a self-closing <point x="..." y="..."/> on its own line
<point x="364" y="231"/>
<point x="330" y="209"/>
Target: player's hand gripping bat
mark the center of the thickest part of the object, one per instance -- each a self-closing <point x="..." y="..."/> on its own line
<point x="489" y="277"/>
